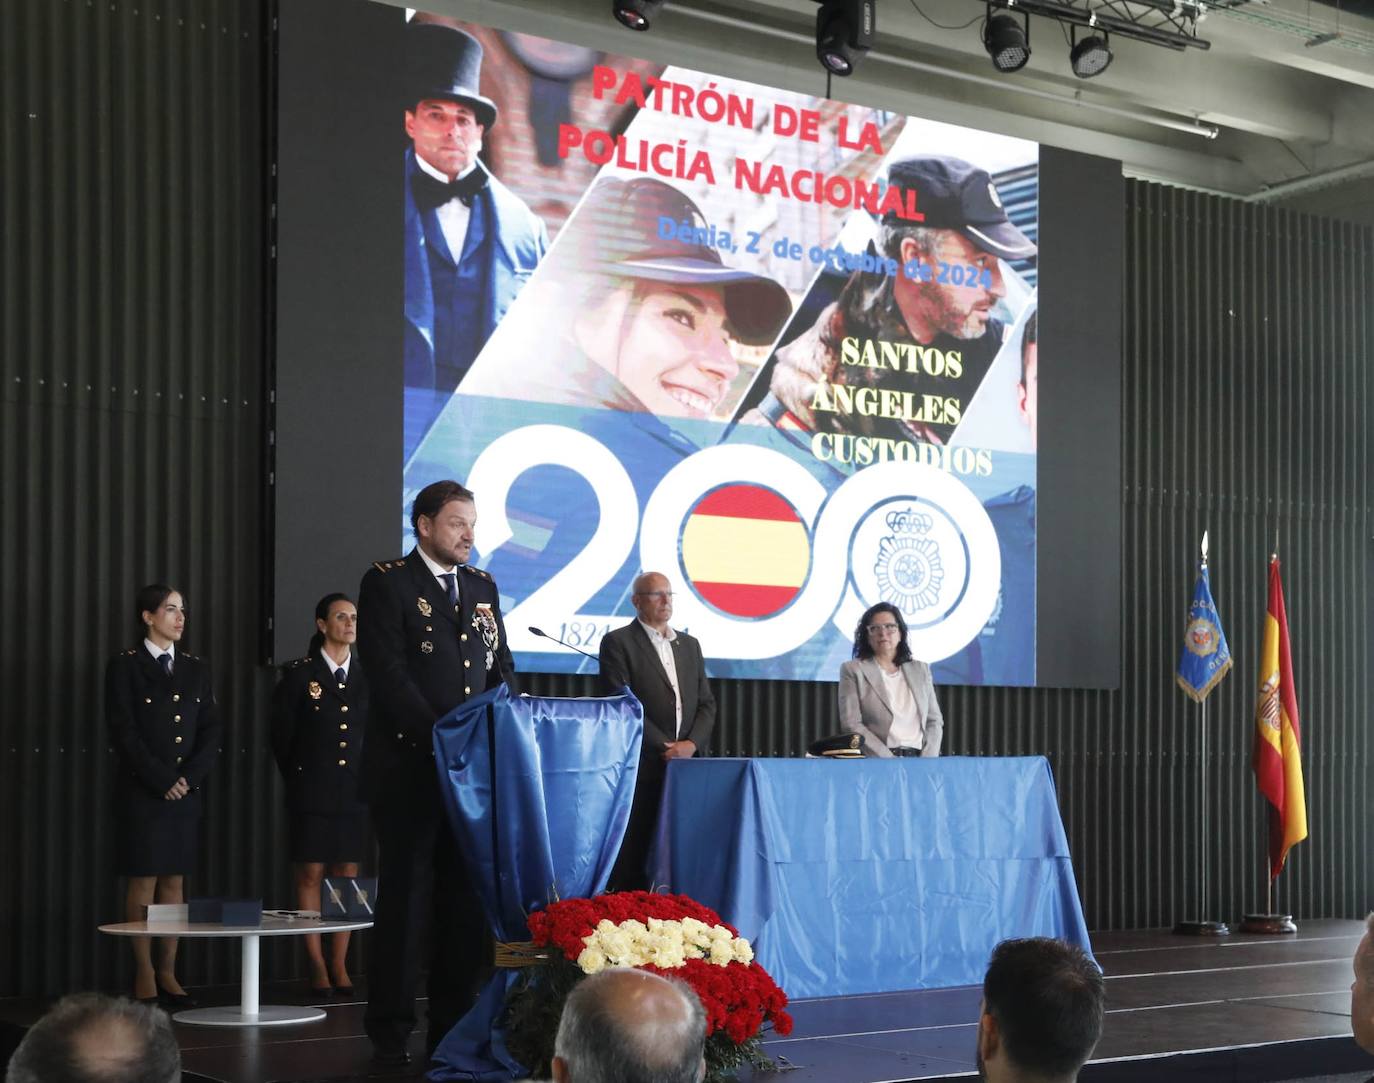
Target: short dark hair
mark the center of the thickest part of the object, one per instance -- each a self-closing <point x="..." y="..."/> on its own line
<point x="430" y="500"/>
<point x="864" y="649"/>
<point x="599" y="1043"/>
<point x="149" y="600"/>
<point x="58" y="1048"/>
<point x="1030" y="336"/>
<point x="1047" y="998"/>
<point x="322" y="608"/>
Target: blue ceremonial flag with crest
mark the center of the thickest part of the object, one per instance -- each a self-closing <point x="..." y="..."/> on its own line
<point x="1206" y="658"/>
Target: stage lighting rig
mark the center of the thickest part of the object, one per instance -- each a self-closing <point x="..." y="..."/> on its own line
<point x="636" y="14"/>
<point x="1007" y="41"/>
<point x="844" y="33"/>
<point x="1090" y="55"/>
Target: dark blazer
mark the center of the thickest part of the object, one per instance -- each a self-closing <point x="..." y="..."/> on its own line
<point x="163" y="728"/>
<point x="423" y="659"/>
<point x="628" y="659"/>
<point x="317" y="734"/>
<point x="864" y="707"/>
<point x="516" y="240"/>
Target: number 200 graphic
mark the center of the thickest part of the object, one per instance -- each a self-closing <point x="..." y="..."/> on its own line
<point x="902" y="532"/>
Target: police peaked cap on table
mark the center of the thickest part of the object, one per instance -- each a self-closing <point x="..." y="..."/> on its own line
<point x="620" y="225"/>
<point x="445" y="64"/>
<point x="953" y="194"/>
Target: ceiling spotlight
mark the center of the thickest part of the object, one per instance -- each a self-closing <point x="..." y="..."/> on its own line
<point x="636" y="14"/>
<point x="1007" y="42"/>
<point x="1090" y="56"/>
<point x="844" y="32"/>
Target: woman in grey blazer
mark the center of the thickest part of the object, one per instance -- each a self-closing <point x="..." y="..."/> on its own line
<point x="887" y="696"/>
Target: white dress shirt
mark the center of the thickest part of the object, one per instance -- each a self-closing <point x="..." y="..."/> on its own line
<point x="438" y="570"/>
<point x="664" y="646"/>
<point x="453" y="215"/>
<point x="333" y="665"/>
<point x="157" y="652"/>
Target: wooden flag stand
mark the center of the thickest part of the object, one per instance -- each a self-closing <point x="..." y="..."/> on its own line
<point x="1202" y="927"/>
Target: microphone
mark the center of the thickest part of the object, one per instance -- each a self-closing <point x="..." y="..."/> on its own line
<point x="545" y="635"/>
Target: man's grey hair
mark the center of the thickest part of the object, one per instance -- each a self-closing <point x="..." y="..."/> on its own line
<point x="601" y="1045"/>
<point x="93" y="1038"/>
<point x="927" y="240"/>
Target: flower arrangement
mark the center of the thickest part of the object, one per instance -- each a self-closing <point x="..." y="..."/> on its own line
<point x="665" y="934"/>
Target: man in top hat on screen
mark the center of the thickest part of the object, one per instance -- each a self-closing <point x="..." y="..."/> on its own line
<point x="936" y="310"/>
<point x="470" y="243"/>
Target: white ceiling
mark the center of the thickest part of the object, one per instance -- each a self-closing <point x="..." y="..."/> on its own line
<point x="1294" y="122"/>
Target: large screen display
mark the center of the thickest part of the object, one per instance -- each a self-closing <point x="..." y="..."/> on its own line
<point x="780" y="348"/>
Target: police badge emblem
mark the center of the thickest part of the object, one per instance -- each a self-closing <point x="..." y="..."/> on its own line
<point x="424" y="607"/>
<point x="908" y="570"/>
<point x="1201" y="637"/>
<point x="315" y="690"/>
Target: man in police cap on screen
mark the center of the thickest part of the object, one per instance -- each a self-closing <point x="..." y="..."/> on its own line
<point x="964" y="233"/>
<point x="470" y="243"/>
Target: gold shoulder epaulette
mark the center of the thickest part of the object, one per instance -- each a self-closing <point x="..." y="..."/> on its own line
<point x="297" y="662"/>
<point x="476" y="571"/>
<point x="385" y="566"/>
<point x="131" y="651"/>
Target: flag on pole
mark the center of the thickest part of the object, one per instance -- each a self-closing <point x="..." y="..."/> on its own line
<point x="1278" y="739"/>
<point x="1206" y="658"/>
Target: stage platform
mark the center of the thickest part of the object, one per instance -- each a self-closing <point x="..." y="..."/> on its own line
<point x="1243" y="1008"/>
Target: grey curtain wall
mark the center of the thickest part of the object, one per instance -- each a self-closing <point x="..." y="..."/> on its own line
<point x="134" y="446"/>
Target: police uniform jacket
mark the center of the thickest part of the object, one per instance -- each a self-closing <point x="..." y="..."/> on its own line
<point x="317" y="734"/>
<point x="423" y="659"/>
<point x="163" y="728"/>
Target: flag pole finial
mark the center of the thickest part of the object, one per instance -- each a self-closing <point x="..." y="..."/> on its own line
<point x="1204" y="545"/>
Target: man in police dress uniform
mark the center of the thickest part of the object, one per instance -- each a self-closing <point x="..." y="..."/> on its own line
<point x="430" y="632"/>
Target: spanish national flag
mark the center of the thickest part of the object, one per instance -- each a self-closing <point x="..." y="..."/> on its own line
<point x="1278" y="737"/>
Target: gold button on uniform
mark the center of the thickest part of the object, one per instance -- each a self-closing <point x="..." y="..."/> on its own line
<point x="176" y="697"/>
<point x="344" y="709"/>
<point x="178" y="759"/>
<point x="467" y="691"/>
<point x="343" y="725"/>
<point x="176" y="740"/>
<point x="176" y="718"/>
<point x="147" y="700"/>
<point x="343" y="744"/>
<point x="464" y="637"/>
<point x="466" y="663"/>
<point x="343" y="763"/>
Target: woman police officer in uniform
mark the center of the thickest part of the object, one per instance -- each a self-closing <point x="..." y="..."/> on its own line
<point x="318" y="711"/>
<point x="166" y="731"/>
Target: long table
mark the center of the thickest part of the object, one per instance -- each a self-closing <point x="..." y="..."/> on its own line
<point x="865" y="876"/>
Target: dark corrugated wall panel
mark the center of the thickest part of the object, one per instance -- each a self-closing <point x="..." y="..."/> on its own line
<point x="133" y="396"/>
<point x="133" y="386"/>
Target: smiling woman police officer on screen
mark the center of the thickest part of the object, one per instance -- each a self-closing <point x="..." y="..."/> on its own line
<point x="886" y="696"/>
<point x="166" y="731"/>
<point x="318" y="712"/>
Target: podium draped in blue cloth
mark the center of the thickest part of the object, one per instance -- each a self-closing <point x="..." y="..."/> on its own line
<point x="538" y="791"/>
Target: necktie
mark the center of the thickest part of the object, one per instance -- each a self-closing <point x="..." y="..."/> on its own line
<point x="451" y="585"/>
<point x="431" y="192"/>
<point x="341" y="676"/>
<point x="165" y="658"/>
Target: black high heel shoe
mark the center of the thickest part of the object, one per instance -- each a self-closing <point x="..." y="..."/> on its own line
<point x="175" y="1002"/>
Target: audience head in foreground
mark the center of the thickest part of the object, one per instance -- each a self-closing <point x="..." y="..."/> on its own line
<point x="629" y="1026"/>
<point x="1041" y="1014"/>
<point x="1362" y="991"/>
<point x="92" y="1038"/>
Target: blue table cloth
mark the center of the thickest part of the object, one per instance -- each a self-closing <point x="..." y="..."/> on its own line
<point x="538" y="792"/>
<point x="871" y="875"/>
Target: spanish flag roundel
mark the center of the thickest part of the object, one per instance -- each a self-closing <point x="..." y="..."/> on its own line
<point x="745" y="550"/>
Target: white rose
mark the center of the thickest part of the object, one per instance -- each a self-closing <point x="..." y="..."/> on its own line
<point x="720" y="932"/>
<point x="591" y="961"/>
<point x="743" y="952"/>
<point x="722" y="952"/>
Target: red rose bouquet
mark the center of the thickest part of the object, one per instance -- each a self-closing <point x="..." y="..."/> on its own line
<point x="665" y="934"/>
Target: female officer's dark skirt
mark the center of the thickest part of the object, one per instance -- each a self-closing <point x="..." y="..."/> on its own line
<point x="157" y="845"/>
<point x="336" y="838"/>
